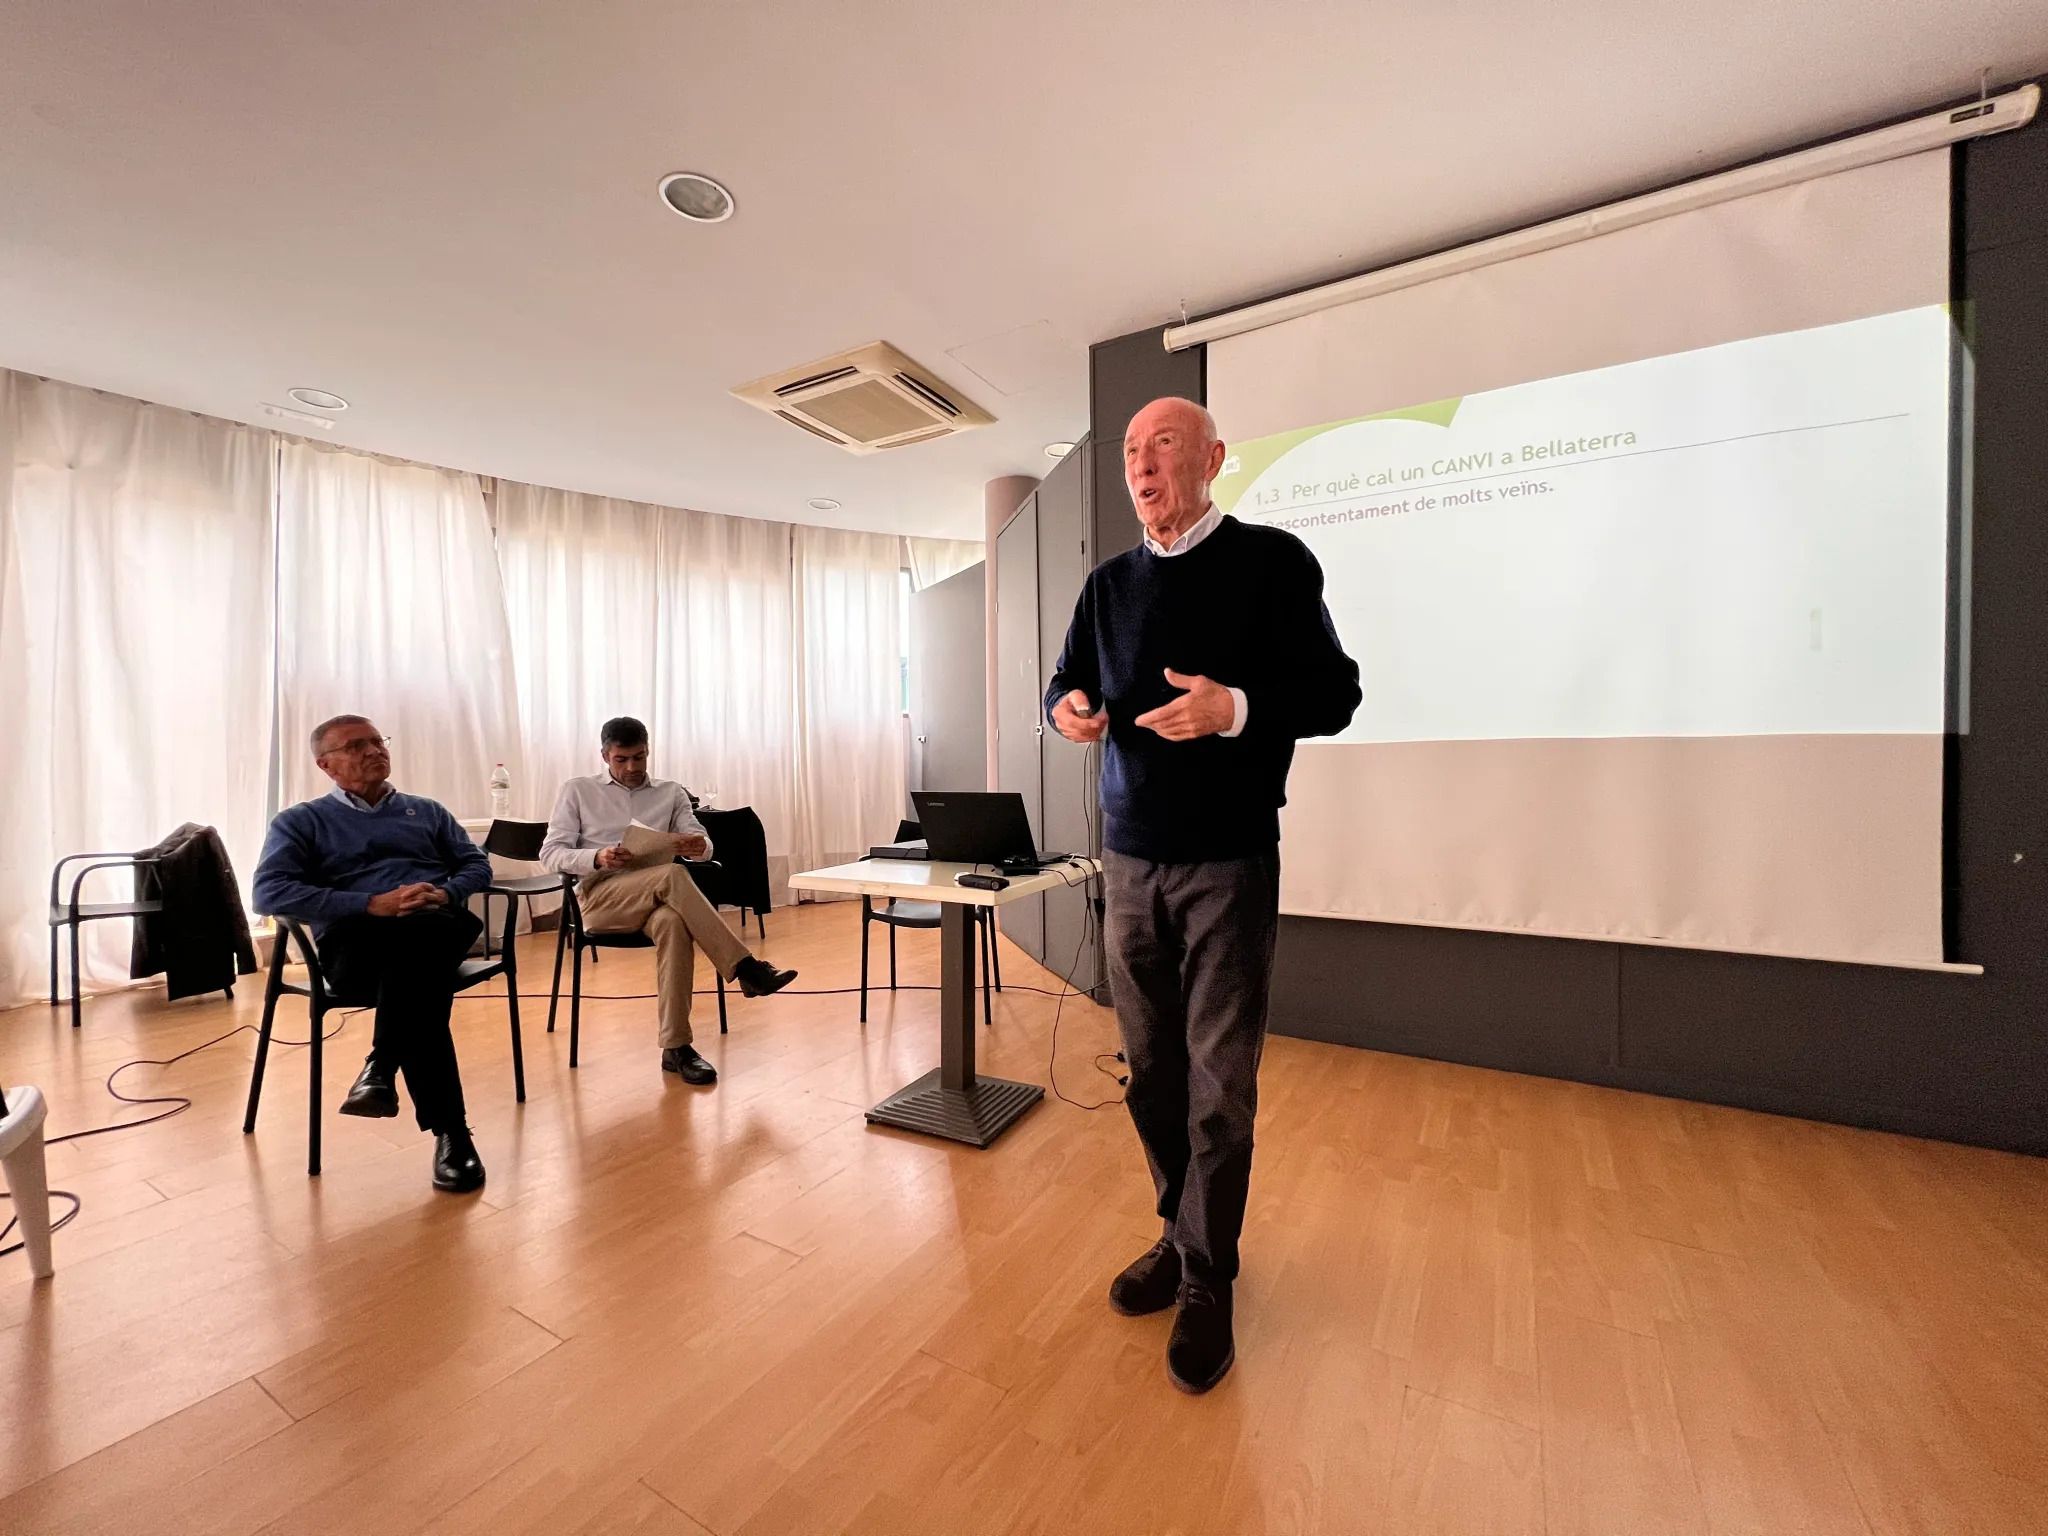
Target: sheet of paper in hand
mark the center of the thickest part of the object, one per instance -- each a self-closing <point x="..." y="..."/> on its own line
<point x="648" y="846"/>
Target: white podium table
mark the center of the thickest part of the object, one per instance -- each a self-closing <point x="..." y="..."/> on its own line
<point x="951" y="1101"/>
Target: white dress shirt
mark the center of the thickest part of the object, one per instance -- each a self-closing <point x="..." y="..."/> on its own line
<point x="1199" y="530"/>
<point x="592" y="815"/>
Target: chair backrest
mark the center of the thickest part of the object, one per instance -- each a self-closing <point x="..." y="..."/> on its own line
<point x="516" y="839"/>
<point x="741" y="843"/>
<point x="908" y="832"/>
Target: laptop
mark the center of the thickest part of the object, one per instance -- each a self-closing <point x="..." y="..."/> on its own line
<point x="976" y="827"/>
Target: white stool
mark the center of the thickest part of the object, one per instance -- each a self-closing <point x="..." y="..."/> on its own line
<point x="21" y="1153"/>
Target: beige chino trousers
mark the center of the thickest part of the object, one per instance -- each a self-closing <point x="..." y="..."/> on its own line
<point x="664" y="903"/>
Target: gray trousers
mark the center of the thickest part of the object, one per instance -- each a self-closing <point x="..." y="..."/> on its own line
<point x="1190" y="950"/>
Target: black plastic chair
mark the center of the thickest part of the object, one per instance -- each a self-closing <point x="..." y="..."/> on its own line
<point x="73" y="913"/>
<point x="571" y="930"/>
<point x="896" y="914"/>
<point x="517" y="840"/>
<point x="323" y="1000"/>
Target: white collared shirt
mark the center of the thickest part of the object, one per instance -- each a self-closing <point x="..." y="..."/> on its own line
<point x="592" y="814"/>
<point x="1199" y="530"/>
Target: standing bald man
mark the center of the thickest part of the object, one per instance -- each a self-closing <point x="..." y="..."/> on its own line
<point x="1198" y="659"/>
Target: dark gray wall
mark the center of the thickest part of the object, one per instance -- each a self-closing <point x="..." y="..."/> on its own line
<point x="949" y="683"/>
<point x="1965" y="1058"/>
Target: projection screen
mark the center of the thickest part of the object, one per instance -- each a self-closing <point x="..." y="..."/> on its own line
<point x="1641" y="545"/>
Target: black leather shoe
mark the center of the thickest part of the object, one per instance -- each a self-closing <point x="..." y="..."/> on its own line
<point x="457" y="1168"/>
<point x="684" y="1061"/>
<point x="757" y="978"/>
<point x="1148" y="1283"/>
<point x="375" y="1095"/>
<point x="1200" y="1351"/>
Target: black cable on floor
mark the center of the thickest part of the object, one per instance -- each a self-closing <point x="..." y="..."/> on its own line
<point x="178" y="1102"/>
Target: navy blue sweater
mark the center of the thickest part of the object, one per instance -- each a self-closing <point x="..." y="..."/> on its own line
<point x="324" y="859"/>
<point x="1243" y="608"/>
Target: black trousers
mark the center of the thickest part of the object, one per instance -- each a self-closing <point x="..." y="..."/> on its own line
<point x="1190" y="950"/>
<point x="406" y="966"/>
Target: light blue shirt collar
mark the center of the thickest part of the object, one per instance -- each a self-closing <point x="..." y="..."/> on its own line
<point x="356" y="802"/>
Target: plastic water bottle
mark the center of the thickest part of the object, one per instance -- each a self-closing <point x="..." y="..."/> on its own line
<point x="501" y="791"/>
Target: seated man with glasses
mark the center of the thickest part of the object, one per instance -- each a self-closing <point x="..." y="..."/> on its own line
<point x="383" y="879"/>
<point x="586" y="838"/>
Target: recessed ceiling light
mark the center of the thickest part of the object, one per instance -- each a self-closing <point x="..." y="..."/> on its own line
<point x="696" y="197"/>
<point x="822" y="504"/>
<point x="318" y="399"/>
<point x="1058" y="450"/>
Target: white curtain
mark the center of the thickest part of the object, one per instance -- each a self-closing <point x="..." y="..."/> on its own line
<point x="930" y="561"/>
<point x="679" y="618"/>
<point x="583" y="601"/>
<point x="725" y="715"/>
<point x="135" y="636"/>
<point x="850" y="745"/>
<point x="390" y="605"/>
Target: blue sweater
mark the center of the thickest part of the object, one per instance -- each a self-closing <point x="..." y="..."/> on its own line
<point x="1243" y="608"/>
<point x="324" y="859"/>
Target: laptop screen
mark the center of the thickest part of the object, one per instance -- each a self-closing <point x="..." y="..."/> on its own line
<point x="975" y="827"/>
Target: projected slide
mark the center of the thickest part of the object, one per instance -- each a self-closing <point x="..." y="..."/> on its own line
<point x="1743" y="540"/>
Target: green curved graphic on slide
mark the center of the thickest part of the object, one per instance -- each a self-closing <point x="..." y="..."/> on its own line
<point x="1262" y="453"/>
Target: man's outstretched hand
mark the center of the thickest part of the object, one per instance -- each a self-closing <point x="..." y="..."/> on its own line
<point x="1203" y="710"/>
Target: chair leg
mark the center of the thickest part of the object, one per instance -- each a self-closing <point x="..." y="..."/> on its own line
<point x="575" y="1004"/>
<point x="864" y="959"/>
<point x="487" y="925"/>
<point x="313" y="1093"/>
<point x="74" y="974"/>
<point x="262" y="1055"/>
<point x="54" y="999"/>
<point x="995" y="950"/>
<point x="721" y="1003"/>
<point x="555" y="991"/>
<point x="518" y="1050"/>
<point x="892" y="957"/>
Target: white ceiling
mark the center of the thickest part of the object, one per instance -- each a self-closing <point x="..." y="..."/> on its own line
<point x="444" y="210"/>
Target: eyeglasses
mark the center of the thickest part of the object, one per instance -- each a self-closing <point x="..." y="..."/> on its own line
<point x="359" y="747"/>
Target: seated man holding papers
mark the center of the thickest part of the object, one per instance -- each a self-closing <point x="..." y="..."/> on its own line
<point x="620" y="832"/>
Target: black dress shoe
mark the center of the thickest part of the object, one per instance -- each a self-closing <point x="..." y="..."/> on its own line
<point x="684" y="1061"/>
<point x="1200" y="1351"/>
<point x="375" y="1095"/>
<point x="1148" y="1283"/>
<point x="457" y="1168"/>
<point x="757" y="978"/>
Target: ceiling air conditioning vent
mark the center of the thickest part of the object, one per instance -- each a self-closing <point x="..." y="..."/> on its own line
<point x="798" y="421"/>
<point x="924" y="436"/>
<point x="812" y="381"/>
<point x="865" y="400"/>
